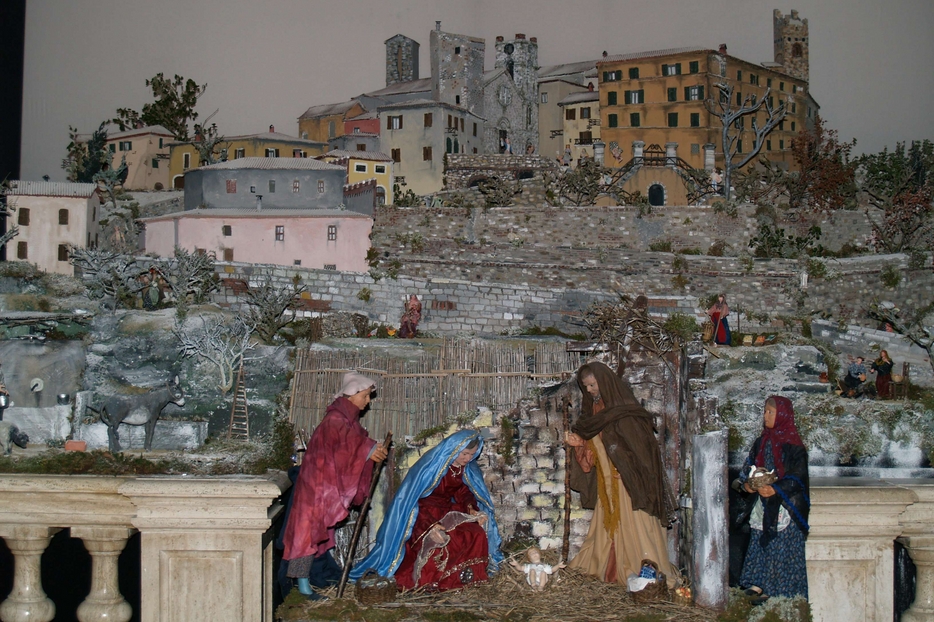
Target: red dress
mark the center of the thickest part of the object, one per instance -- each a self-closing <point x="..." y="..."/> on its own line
<point x="461" y="561"/>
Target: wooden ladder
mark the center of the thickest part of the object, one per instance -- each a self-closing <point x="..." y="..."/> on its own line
<point x="239" y="428"/>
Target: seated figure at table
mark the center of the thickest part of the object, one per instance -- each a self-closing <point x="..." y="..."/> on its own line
<point x="439" y="532"/>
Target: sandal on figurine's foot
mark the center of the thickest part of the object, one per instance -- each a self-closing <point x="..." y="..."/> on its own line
<point x="753" y="591"/>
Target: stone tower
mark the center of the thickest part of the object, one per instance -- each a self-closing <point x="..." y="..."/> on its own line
<point x="457" y="69"/>
<point x="511" y="100"/>
<point x="401" y="59"/>
<point x="791" y="43"/>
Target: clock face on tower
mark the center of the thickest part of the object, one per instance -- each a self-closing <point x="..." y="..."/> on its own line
<point x="508" y="48"/>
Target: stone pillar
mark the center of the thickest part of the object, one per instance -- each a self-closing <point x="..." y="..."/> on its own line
<point x="638" y="149"/>
<point x="27" y="602"/>
<point x="918" y="535"/>
<point x="104" y="603"/>
<point x="709" y="521"/>
<point x="671" y="154"/>
<point x="599" y="148"/>
<point x="709" y="157"/>
<point x="206" y="547"/>
<point x="850" y="549"/>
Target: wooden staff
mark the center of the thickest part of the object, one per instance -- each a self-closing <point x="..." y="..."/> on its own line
<point x="360" y="520"/>
<point x="566" y="539"/>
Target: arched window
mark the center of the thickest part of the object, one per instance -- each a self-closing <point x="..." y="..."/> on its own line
<point x="447" y="144"/>
<point x="656" y="195"/>
<point x="796" y="50"/>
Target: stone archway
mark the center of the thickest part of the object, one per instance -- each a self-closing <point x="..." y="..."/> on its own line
<point x="178" y="183"/>
<point x="656" y="195"/>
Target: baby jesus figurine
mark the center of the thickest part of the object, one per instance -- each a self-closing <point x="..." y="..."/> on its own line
<point x="536" y="573"/>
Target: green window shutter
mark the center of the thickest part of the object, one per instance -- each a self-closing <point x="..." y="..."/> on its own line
<point x="687" y="93"/>
<point x="641" y="96"/>
<point x="695" y="119"/>
<point x="113" y="148"/>
<point x="672" y="119"/>
<point x="627" y="97"/>
<point x="634" y="119"/>
<point x="606" y="76"/>
<point x="700" y="92"/>
<point x="673" y="94"/>
<point x="694" y="67"/>
<point x="613" y="120"/>
<point x="633" y="73"/>
<point x="664" y="70"/>
<point x="677" y="69"/>
<point x="611" y="98"/>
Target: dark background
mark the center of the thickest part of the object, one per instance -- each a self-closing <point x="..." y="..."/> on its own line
<point x="12" y="39"/>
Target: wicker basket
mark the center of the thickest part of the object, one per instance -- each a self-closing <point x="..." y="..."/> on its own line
<point x="374" y="589"/>
<point x="653" y="592"/>
<point x="708" y="332"/>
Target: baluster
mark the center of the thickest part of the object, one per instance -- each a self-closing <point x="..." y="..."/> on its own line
<point x="27" y="602"/>
<point x="922" y="554"/>
<point x="104" y="602"/>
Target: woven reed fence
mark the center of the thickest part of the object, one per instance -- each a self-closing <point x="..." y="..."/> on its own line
<point x="416" y="394"/>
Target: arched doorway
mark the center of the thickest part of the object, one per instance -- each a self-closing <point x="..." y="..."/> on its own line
<point x="179" y="182"/>
<point x="656" y="195"/>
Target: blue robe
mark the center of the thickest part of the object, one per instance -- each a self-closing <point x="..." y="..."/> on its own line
<point x="419" y="482"/>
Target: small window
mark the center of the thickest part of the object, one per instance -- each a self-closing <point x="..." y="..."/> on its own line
<point x="768" y="82"/>
<point x="112" y="147"/>
<point x="794" y="107"/>
<point x="781" y="86"/>
<point x="332" y="129"/>
<point x="361" y="147"/>
<point x="305" y="135"/>
<point x="457" y="49"/>
<point x="296" y="186"/>
<point x="462" y="121"/>
<point x="797" y="51"/>
<point x="332" y="233"/>
<point x="474" y="129"/>
<point x="585" y="113"/>
<point x="155" y="162"/>
<point x="634" y="120"/>
<point x="793" y="126"/>
<point x="429" y="119"/>
<point x="673" y="94"/>
<point x="768" y="145"/>
<point x="570" y="114"/>
<point x="63" y="252"/>
<point x="380" y="169"/>
<point x="394" y="122"/>
<point x="781" y="126"/>
<point x="695" y="119"/>
<point x="280" y="233"/>
<point x="160" y="143"/>
<point x="426" y="154"/>
<point x="695" y="149"/>
<point x="694" y="93"/>
<point x="63" y="216"/>
<point x="330" y="266"/>
<point x="633" y="73"/>
<point x="739" y="146"/>
<point x="231" y="186"/>
<point x="781" y="144"/>
<point x="635" y="97"/>
<point x="186" y="161"/>
<point x="612" y="120"/>
<point x="739" y="76"/>
<point x="22" y="251"/>
<point x="396" y="155"/>
<point x="694" y="66"/>
<point x="252" y="189"/>
<point x="272" y="153"/>
<point x="739" y="99"/>
<point x="359" y="168"/>
<point x="272" y="185"/>
<point x="239" y="153"/>
<point x="228" y="254"/>
<point x="297" y="262"/>
<point x="672" y="119"/>
<point x="298" y="153"/>
<point x="320" y="186"/>
<point x="544" y="98"/>
<point x="457" y="100"/>
<point x="611" y="98"/>
<point x="227" y="230"/>
<point x="671" y="70"/>
<point x="126" y="145"/>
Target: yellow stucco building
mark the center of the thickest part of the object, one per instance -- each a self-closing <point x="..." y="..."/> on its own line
<point x="581" y="113"/>
<point x="322" y="123"/>
<point x="145" y="151"/>
<point x="657" y="98"/>
<point x="184" y="156"/>
<point x="364" y="165"/>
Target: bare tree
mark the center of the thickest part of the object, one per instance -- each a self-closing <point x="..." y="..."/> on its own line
<point x="220" y="342"/>
<point x="108" y="274"/>
<point x="190" y="277"/>
<point x="7" y="209"/>
<point x="733" y="116"/>
<point x="272" y="308"/>
<point x="915" y="324"/>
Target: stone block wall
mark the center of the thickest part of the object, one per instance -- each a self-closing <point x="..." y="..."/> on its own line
<point x="461" y="170"/>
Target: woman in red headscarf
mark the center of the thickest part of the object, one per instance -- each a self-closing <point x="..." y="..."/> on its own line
<point x="778" y="520"/>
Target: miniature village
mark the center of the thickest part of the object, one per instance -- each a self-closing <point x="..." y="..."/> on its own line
<point x="177" y="319"/>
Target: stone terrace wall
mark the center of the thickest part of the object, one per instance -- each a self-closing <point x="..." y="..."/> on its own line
<point x="596" y="228"/>
<point x="461" y="170"/>
<point x="508" y="293"/>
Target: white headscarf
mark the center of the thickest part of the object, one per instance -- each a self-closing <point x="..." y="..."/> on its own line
<point x="352" y="383"/>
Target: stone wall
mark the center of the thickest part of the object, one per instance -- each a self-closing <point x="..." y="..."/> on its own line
<point x="464" y="170"/>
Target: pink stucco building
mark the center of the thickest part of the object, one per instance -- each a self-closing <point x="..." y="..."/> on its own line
<point x="323" y="239"/>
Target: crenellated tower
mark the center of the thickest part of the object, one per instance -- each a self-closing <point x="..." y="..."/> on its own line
<point x="791" y="43"/>
<point x="401" y="60"/>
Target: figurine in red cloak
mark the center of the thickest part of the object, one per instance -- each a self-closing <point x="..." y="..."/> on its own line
<point x="335" y="475"/>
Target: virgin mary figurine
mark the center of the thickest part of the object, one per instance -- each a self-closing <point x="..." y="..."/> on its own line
<point x="439" y="532"/>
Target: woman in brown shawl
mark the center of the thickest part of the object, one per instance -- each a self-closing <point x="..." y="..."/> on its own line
<point x="619" y="473"/>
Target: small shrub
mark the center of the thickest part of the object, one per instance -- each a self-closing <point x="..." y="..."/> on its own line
<point x="917" y="259"/>
<point x="718" y="249"/>
<point x="678" y="281"/>
<point x="890" y="276"/>
<point x="660" y="246"/>
<point x="679" y="264"/>
<point x="727" y="209"/>
<point x="816" y="268"/>
<point x="691" y="251"/>
<point x="365" y="294"/>
<point x="681" y="326"/>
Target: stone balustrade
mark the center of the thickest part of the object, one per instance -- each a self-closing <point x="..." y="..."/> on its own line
<point x="206" y="543"/>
